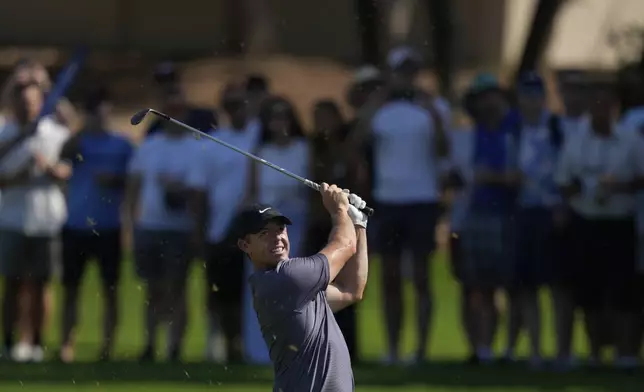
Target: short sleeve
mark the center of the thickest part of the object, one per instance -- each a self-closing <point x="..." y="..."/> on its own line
<point x="197" y="177"/>
<point x="135" y="166"/>
<point x="637" y="151"/>
<point x="305" y="277"/>
<point x="563" y="172"/>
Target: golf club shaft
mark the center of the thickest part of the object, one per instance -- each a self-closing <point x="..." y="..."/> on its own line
<point x="313" y="185"/>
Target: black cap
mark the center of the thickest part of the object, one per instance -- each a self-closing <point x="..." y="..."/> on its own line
<point x="255" y="217"/>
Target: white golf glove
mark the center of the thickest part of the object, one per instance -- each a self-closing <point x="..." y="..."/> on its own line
<point x="358" y="217"/>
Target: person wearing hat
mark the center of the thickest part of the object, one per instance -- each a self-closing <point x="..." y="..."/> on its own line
<point x="539" y="216"/>
<point x="573" y="86"/>
<point x="483" y="175"/>
<point x="402" y="136"/>
<point x="295" y="297"/>
<point x="600" y="171"/>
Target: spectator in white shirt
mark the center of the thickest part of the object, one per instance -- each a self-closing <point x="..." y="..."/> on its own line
<point x="284" y="143"/>
<point x="631" y="95"/>
<point x="406" y="133"/>
<point x="220" y="185"/>
<point x="574" y="92"/>
<point x="600" y="170"/>
<point x="32" y="213"/>
<point x="157" y="207"/>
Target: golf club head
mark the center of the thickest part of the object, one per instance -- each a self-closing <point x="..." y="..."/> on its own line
<point x="139" y="116"/>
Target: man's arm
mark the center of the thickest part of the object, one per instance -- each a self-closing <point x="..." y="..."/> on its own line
<point x="441" y="138"/>
<point x="342" y="243"/>
<point x="18" y="178"/>
<point x="349" y="285"/>
<point x="7" y="146"/>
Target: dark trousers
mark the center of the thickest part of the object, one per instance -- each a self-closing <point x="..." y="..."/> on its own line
<point x="316" y="239"/>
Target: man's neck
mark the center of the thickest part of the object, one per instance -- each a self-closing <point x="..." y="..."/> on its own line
<point x="602" y="128"/>
<point x="239" y="127"/>
<point x="534" y="119"/>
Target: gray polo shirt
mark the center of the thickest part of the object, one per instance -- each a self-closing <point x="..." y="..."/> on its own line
<point x="305" y="343"/>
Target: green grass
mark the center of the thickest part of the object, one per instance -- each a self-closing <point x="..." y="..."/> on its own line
<point x="447" y="347"/>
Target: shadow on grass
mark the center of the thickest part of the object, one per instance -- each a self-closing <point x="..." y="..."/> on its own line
<point x="441" y="374"/>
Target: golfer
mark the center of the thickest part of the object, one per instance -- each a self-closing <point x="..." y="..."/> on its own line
<point x="295" y="297"/>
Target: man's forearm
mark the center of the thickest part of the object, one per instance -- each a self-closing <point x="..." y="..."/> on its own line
<point x="343" y="231"/>
<point x="353" y="277"/>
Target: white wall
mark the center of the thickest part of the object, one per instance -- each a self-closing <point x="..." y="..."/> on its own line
<point x="580" y="35"/>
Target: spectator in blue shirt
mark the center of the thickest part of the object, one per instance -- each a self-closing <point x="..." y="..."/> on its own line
<point x="489" y="178"/>
<point x="95" y="192"/>
<point x="539" y="137"/>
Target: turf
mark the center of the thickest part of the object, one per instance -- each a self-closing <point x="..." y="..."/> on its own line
<point x="447" y="347"/>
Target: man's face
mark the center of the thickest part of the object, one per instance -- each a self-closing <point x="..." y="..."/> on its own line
<point x="269" y="246"/>
<point x="575" y="98"/>
<point x="235" y="103"/>
<point x="531" y="103"/>
<point x="603" y="104"/>
<point x="172" y="99"/>
<point x="404" y="77"/>
<point x="490" y="105"/>
<point x="29" y="104"/>
<point x="326" y="119"/>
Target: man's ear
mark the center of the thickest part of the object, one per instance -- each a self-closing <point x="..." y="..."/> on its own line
<point x="242" y="244"/>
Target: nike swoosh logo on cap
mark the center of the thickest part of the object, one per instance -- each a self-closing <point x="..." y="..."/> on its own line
<point x="264" y="210"/>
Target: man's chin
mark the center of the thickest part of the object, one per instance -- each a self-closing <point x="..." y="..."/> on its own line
<point x="277" y="257"/>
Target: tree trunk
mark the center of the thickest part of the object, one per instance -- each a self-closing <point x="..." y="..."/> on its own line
<point x="440" y="17"/>
<point x="539" y="36"/>
<point x="368" y="15"/>
<point x="237" y="27"/>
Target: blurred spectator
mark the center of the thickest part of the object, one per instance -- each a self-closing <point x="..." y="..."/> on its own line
<point x="365" y="86"/>
<point x="573" y="86"/>
<point x="31" y="215"/>
<point x="258" y="90"/>
<point x="600" y="169"/>
<point x="173" y="102"/>
<point x="157" y="206"/>
<point x="483" y="214"/>
<point x="283" y="142"/>
<point x="366" y="80"/>
<point x="456" y="187"/>
<point x="28" y="70"/>
<point x="630" y="91"/>
<point x="539" y="139"/>
<point x="330" y="165"/>
<point x="405" y="128"/>
<point x="631" y="96"/>
<point x="99" y="158"/>
<point x="221" y="183"/>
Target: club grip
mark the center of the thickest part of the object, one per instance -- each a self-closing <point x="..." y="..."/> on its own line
<point x="367" y="210"/>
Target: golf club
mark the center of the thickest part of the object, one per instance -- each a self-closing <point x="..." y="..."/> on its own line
<point x="139" y="116"/>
